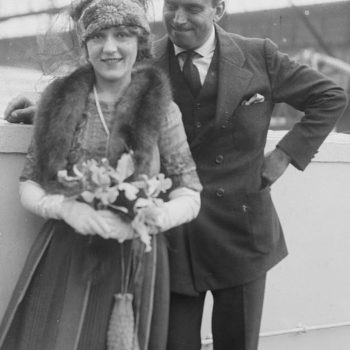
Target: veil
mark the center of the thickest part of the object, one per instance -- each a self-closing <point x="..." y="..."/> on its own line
<point x="58" y="50"/>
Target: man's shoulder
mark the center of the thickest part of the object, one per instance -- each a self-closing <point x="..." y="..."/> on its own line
<point x="253" y="47"/>
<point x="245" y="42"/>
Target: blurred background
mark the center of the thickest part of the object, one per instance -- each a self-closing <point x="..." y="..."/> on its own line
<point x="314" y="32"/>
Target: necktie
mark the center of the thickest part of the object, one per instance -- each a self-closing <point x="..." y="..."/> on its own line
<point x="191" y="73"/>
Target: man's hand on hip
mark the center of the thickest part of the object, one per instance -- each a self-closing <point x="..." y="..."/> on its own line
<point x="275" y="164"/>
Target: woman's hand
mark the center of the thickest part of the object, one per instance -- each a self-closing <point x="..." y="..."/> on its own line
<point x="84" y="219"/>
<point x="88" y="221"/>
<point x="119" y="229"/>
<point x="152" y="217"/>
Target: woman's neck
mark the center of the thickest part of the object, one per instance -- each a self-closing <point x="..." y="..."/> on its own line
<point x="111" y="91"/>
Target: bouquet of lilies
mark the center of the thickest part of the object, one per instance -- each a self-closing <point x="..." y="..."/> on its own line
<point x="105" y="187"/>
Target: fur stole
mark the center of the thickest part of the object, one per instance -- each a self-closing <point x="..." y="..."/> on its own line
<point x="61" y="109"/>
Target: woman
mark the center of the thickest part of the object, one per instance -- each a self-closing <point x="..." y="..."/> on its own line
<point x="113" y="105"/>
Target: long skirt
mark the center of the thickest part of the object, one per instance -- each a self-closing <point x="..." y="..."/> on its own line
<point x="65" y="294"/>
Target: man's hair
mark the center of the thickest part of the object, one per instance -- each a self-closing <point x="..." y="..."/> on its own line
<point x="215" y="2"/>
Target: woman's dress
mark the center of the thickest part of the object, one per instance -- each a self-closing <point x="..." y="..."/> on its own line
<point x="64" y="298"/>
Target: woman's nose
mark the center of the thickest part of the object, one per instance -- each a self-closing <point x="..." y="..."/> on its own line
<point x="180" y="16"/>
<point x="110" y="44"/>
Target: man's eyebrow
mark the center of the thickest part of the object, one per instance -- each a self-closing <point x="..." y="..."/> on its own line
<point x="199" y="6"/>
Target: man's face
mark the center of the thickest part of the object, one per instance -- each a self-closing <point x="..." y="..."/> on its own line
<point x="190" y="22"/>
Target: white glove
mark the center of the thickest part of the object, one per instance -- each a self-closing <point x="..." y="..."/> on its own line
<point x="183" y="206"/>
<point x="34" y="198"/>
<point x="83" y="218"/>
<point x="80" y="216"/>
<point x="119" y="229"/>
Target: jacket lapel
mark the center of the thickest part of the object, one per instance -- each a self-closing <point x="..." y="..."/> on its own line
<point x="233" y="78"/>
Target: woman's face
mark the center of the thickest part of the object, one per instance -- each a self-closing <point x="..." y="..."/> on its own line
<point x="112" y="53"/>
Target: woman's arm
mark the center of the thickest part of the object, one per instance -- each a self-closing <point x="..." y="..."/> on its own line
<point x="183" y="206"/>
<point x="178" y="164"/>
<point x="80" y="216"/>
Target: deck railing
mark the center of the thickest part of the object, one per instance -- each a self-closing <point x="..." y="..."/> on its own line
<point x="307" y="303"/>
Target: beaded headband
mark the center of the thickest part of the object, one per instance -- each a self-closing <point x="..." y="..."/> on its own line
<point x="99" y="14"/>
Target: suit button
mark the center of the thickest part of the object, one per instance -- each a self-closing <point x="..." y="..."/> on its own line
<point x="220" y="192"/>
<point x="219" y="158"/>
<point x="223" y="126"/>
<point x="198" y="124"/>
<point x="196" y="107"/>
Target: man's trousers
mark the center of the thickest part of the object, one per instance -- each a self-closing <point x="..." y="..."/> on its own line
<point x="236" y="318"/>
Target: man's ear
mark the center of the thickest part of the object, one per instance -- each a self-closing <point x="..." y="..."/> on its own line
<point x="220" y="10"/>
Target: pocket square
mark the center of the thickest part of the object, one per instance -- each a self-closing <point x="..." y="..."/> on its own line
<point x="257" y="98"/>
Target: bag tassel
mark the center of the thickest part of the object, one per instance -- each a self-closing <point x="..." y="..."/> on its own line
<point x="121" y="331"/>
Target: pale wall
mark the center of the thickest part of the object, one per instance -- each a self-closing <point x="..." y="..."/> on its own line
<point x="310" y="288"/>
<point x="17" y="226"/>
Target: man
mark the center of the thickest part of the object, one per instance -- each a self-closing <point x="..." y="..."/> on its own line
<point x="226" y="91"/>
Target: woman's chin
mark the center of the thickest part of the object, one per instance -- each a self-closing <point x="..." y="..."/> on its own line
<point x="113" y="76"/>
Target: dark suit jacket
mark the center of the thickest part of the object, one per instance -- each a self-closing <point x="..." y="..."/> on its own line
<point x="237" y="236"/>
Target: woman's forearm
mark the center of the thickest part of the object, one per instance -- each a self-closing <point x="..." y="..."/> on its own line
<point x="80" y="216"/>
<point x="34" y="198"/>
<point x="183" y="206"/>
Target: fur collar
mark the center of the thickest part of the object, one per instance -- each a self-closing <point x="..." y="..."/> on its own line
<point x="61" y="110"/>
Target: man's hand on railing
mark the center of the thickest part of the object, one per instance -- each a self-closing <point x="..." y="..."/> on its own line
<point x="20" y="110"/>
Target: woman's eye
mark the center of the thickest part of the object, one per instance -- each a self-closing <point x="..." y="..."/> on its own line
<point x="96" y="36"/>
<point x="122" y="35"/>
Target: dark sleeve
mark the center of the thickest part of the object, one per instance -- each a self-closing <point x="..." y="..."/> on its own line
<point x="175" y="155"/>
<point x="307" y="90"/>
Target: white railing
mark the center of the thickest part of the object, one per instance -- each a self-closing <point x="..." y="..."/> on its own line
<point x="307" y="305"/>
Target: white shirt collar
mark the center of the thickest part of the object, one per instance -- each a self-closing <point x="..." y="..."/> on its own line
<point x="207" y="48"/>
